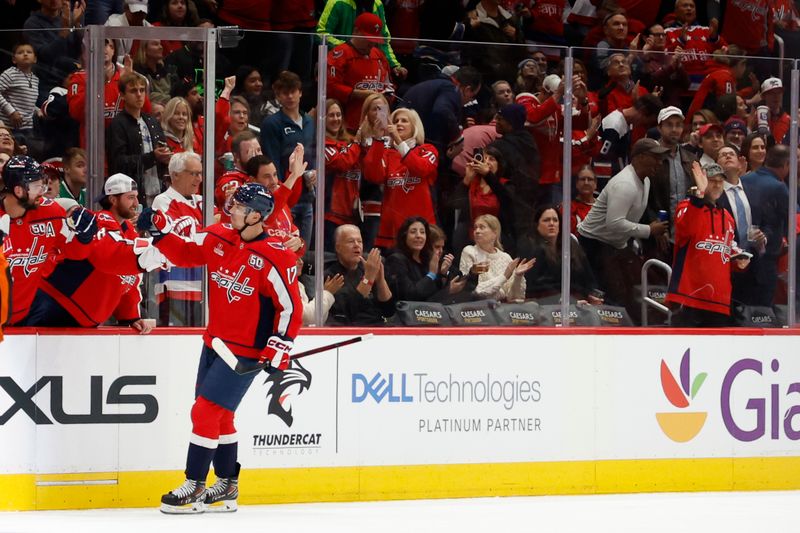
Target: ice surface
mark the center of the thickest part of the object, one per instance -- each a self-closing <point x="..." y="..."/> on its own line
<point x="731" y="512"/>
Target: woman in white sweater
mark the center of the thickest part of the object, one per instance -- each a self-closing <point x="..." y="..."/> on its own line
<point x="499" y="277"/>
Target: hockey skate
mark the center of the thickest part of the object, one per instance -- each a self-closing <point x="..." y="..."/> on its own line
<point x="188" y="498"/>
<point x="221" y="496"/>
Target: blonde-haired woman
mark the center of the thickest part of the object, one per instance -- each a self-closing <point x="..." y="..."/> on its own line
<point x="149" y="62"/>
<point x="176" y="121"/>
<point x="374" y="120"/>
<point x="407" y="169"/>
<point x="499" y="276"/>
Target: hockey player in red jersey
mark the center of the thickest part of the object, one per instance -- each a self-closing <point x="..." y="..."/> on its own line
<point x="39" y="227"/>
<point x="255" y="308"/>
<point x="87" y="292"/>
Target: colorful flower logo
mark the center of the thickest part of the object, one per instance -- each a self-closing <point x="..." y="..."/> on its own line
<point x="681" y="426"/>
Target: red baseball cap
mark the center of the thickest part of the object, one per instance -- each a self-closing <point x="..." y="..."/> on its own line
<point x="705" y="128"/>
<point x="369" y="25"/>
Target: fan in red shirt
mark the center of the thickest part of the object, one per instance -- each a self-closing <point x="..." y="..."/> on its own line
<point x="279" y="226"/>
<point x="696" y="42"/>
<point x="750" y="24"/>
<point x="112" y="101"/>
<point x="177" y="13"/>
<point x="245" y="145"/>
<point x="779" y="121"/>
<point x="545" y="117"/>
<point x="705" y="254"/>
<point x="407" y="169"/>
<point x="586" y="185"/>
<point x="358" y="68"/>
<point x="343" y="173"/>
<point x="720" y="80"/>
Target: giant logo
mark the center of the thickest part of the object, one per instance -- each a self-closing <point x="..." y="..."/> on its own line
<point x="765" y="412"/>
<point x="681" y="426"/>
<point x="24" y="401"/>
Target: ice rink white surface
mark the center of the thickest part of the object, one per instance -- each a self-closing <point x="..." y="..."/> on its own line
<point x="729" y="512"/>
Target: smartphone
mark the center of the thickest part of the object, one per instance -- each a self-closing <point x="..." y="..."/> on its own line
<point x="741" y="254"/>
<point x="383" y="117"/>
<point x="477" y="155"/>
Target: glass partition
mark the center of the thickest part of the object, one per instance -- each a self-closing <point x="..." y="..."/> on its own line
<point x="464" y="141"/>
<point x="444" y="153"/>
<point x="711" y="245"/>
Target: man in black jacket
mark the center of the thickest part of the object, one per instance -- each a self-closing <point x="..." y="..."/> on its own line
<point x="135" y="142"/>
<point x="365" y="298"/>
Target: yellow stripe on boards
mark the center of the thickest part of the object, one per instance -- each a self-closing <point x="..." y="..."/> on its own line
<point x="25" y="492"/>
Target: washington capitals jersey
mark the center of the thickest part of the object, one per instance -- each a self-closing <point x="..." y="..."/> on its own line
<point x="252" y="286"/>
<point x="349" y="69"/>
<point x="180" y="283"/>
<point x="701" y="268"/>
<point x="33" y="241"/>
<point x="106" y="283"/>
<point x="343" y="182"/>
<point x="407" y="181"/>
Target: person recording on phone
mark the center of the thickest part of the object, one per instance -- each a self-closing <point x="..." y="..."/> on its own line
<point x="706" y="254"/>
<point x="484" y="191"/>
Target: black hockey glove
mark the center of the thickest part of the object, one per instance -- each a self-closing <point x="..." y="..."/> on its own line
<point x="84" y="223"/>
<point x="156" y="222"/>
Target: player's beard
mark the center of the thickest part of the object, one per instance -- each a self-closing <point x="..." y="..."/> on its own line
<point x="26" y="203"/>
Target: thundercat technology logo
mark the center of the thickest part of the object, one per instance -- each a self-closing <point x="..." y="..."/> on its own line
<point x="283" y="386"/>
<point x="681" y="426"/>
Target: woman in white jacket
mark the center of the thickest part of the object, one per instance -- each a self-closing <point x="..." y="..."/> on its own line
<point x="330" y="287"/>
<point x="499" y="276"/>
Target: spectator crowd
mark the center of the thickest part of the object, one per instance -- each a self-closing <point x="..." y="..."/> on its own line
<point x="443" y="157"/>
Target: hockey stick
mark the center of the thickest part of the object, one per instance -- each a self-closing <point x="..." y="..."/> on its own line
<point x="240" y="368"/>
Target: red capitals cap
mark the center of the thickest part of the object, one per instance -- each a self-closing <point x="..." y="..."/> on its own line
<point x="369" y="25"/>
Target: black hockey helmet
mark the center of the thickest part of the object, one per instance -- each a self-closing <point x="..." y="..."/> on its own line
<point x="255" y="197"/>
<point x="21" y="170"/>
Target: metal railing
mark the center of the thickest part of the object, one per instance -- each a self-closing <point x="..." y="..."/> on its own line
<point x="650" y="302"/>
